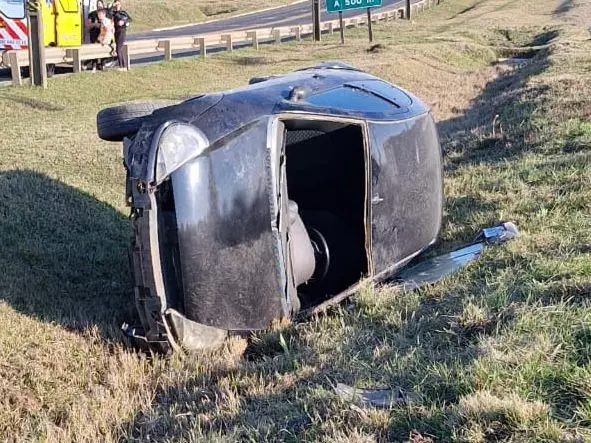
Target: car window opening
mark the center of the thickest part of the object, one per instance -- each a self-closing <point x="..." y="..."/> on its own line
<point x="326" y="179"/>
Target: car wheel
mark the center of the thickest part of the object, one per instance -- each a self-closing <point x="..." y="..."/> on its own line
<point x="115" y="123"/>
<point x="343" y="265"/>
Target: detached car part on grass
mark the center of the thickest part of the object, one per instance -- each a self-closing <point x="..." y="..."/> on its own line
<point x="257" y="204"/>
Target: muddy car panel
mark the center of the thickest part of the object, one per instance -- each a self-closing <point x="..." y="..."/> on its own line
<point x="406" y="190"/>
<point x="225" y="236"/>
<point x="354" y="159"/>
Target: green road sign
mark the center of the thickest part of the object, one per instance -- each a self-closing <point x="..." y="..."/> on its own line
<point x="343" y="5"/>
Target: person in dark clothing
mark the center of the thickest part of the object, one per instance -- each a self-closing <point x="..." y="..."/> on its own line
<point x="122" y="21"/>
<point x="94" y="27"/>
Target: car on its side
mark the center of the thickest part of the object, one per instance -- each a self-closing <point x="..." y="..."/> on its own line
<point x="260" y="203"/>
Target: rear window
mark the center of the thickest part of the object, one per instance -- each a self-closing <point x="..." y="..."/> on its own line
<point x="350" y="99"/>
<point x="364" y="96"/>
<point x="384" y="90"/>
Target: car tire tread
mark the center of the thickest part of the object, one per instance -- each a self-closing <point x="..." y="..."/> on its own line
<point x="117" y="122"/>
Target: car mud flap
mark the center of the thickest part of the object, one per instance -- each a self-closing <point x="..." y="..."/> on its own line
<point x="135" y="337"/>
<point x="192" y="336"/>
<point x="432" y="270"/>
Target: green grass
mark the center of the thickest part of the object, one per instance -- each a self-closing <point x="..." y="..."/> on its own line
<point x="499" y="352"/>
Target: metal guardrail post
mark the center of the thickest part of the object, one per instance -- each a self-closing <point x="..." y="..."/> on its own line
<point x="408" y="10"/>
<point x="167" y="50"/>
<point x="200" y="41"/>
<point x="297" y="33"/>
<point x="330" y="28"/>
<point x="15" y="69"/>
<point x="255" y="39"/>
<point x="76" y="61"/>
<point x="227" y="38"/>
<point x="277" y="35"/>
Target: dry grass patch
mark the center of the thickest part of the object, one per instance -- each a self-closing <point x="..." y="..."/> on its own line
<point x="486" y="417"/>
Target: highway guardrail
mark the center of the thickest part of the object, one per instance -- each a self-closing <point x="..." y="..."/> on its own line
<point x="75" y="56"/>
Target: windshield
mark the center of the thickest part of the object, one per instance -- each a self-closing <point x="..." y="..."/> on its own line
<point x="12" y="8"/>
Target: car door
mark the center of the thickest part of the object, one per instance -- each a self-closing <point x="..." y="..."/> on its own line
<point x="226" y="213"/>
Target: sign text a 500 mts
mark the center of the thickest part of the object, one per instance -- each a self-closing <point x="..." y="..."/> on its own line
<point x="343" y="5"/>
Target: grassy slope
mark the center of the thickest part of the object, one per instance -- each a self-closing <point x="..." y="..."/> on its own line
<point x="499" y="352"/>
<point x="152" y="14"/>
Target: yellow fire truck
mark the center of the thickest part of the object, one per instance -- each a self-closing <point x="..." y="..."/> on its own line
<point x="63" y="22"/>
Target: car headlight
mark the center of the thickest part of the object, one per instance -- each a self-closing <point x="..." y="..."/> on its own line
<point x="178" y="144"/>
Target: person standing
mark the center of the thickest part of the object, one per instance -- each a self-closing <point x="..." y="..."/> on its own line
<point x="121" y="19"/>
<point x="105" y="35"/>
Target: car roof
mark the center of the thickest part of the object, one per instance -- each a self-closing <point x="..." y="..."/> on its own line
<point x="331" y="89"/>
<point x="327" y="90"/>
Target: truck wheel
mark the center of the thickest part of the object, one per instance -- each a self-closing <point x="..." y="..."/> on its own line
<point x="117" y="122"/>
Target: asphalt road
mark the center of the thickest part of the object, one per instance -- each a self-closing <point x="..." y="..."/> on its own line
<point x="290" y="15"/>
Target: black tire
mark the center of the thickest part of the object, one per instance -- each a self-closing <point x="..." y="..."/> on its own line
<point x="115" y="123"/>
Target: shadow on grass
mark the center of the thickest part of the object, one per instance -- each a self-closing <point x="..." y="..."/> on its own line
<point x="64" y="256"/>
<point x="564" y="7"/>
<point x="32" y="103"/>
<point x="275" y="402"/>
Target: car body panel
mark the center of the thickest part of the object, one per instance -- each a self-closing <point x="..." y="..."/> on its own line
<point x="220" y="114"/>
<point x="229" y="256"/>
<point x="402" y="157"/>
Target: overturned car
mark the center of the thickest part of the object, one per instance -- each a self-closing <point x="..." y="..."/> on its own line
<point x="261" y="203"/>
